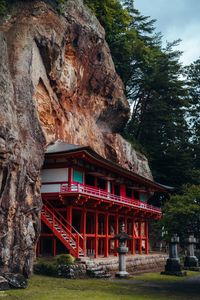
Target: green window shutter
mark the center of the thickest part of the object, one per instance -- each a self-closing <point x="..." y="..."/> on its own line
<point x="78" y="176"/>
<point x="143" y="197"/>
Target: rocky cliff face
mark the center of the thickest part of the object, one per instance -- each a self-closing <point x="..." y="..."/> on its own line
<point x="57" y="81"/>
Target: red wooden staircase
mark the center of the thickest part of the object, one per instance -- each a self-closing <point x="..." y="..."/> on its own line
<point x="67" y="234"/>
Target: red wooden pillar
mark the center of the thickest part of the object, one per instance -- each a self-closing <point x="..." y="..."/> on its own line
<point x="106" y="252"/>
<point x="116" y="232"/>
<point x="147" y="238"/>
<point x="140" y="238"/>
<point x="133" y="238"/>
<point x="69" y="217"/>
<point x="96" y="236"/>
<point x="123" y="190"/>
<point x="69" y="175"/>
<point x="84" y="222"/>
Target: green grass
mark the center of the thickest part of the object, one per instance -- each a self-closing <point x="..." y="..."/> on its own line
<point x="149" y="287"/>
<point x="156" y="277"/>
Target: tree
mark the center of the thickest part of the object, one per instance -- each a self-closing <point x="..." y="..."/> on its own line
<point x="158" y="119"/>
<point x="157" y="95"/>
<point x="192" y="73"/>
<point x="181" y="214"/>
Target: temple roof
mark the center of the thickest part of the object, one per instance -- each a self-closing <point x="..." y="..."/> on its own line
<point x="60" y="148"/>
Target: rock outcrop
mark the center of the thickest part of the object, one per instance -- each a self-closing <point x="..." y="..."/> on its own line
<point x="57" y="81"/>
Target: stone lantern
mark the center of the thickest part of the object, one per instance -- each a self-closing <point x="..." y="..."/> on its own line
<point x="191" y="261"/>
<point x="122" y="237"/>
<point x="173" y="266"/>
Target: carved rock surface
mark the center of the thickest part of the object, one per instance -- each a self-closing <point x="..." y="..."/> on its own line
<point x="57" y="81"/>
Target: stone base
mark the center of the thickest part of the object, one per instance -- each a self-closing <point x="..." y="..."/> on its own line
<point x="191" y="262"/>
<point x="175" y="273"/>
<point x="122" y="274"/>
<point x="173" y="266"/>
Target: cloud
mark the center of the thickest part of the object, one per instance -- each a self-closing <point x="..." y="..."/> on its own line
<point x="176" y="19"/>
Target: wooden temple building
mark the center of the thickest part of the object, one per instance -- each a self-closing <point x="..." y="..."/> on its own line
<point x="86" y="197"/>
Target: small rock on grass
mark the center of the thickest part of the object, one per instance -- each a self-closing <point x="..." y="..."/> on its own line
<point x="16" y="280"/>
<point x="4" y="284"/>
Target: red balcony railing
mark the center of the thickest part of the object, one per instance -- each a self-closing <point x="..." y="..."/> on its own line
<point x="99" y="193"/>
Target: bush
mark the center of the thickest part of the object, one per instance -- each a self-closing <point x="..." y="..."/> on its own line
<point x="46" y="267"/>
<point x="65" y="259"/>
<point x="51" y="266"/>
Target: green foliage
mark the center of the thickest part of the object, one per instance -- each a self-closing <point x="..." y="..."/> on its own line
<point x="49" y="266"/>
<point x="2" y="7"/>
<point x="192" y="77"/>
<point x="182" y="213"/>
<point x="46" y="267"/>
<point x="65" y="259"/>
<point x="158" y="95"/>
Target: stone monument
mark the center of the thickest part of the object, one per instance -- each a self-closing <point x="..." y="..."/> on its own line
<point x="122" y="237"/>
<point x="191" y="261"/>
<point x="173" y="266"/>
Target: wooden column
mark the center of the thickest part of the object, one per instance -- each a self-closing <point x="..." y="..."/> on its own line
<point x="84" y="223"/>
<point x="96" y="236"/>
<point x="69" y="175"/>
<point x="147" y="238"/>
<point x="123" y="190"/>
<point x="133" y="238"/>
<point x="106" y="252"/>
<point x="116" y="232"/>
<point x="140" y="238"/>
<point x="69" y="216"/>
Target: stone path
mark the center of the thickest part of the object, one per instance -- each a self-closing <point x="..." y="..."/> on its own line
<point x="186" y="289"/>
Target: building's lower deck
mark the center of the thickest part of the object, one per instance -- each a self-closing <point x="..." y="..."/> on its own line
<point x="89" y="231"/>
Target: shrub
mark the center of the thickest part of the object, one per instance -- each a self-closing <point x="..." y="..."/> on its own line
<point x="46" y="267"/>
<point x="65" y="259"/>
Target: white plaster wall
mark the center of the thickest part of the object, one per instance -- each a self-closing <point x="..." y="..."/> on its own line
<point x="54" y="175"/>
<point x="50" y="188"/>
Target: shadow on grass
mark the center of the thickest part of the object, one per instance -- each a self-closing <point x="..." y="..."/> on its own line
<point x="47" y="288"/>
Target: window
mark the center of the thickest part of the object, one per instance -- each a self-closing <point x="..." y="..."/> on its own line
<point x="143" y="197"/>
<point x="78" y="176"/>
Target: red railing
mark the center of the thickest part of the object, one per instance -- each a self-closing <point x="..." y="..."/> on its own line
<point x="57" y="220"/>
<point x="98" y="193"/>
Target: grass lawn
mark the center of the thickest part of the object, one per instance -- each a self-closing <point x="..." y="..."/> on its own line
<point x="152" y="286"/>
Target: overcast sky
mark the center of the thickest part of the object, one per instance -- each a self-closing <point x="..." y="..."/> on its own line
<point x="176" y="19"/>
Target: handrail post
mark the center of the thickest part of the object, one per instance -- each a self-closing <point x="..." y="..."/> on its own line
<point x="77" y="245"/>
<point x="53" y="221"/>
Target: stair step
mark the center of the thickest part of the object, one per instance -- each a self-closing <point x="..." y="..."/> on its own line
<point x="62" y="234"/>
<point x="96" y="270"/>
